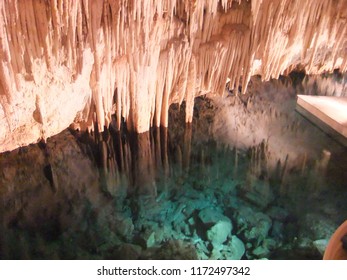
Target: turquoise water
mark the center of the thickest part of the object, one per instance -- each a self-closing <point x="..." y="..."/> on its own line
<point x="172" y="193"/>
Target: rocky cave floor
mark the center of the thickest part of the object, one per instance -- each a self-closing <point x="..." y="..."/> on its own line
<point x="249" y="179"/>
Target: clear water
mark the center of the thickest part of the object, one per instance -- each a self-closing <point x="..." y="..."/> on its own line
<point x="126" y="196"/>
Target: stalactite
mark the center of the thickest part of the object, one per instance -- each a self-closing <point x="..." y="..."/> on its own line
<point x="133" y="163"/>
<point x="135" y="58"/>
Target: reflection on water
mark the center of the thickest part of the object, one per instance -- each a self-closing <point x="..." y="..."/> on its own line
<point x="165" y="194"/>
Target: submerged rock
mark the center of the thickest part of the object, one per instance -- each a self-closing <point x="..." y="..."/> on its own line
<point x="254" y="225"/>
<point x="277" y="213"/>
<point x="321" y="245"/>
<point x="125" y="228"/>
<point x="127" y="251"/>
<point x="233" y="250"/>
<point x="193" y="203"/>
<point x="219" y="232"/>
<point x="277" y="230"/>
<point x="210" y="216"/>
<point x="236" y="248"/>
<point x="219" y="226"/>
<point x="147" y="239"/>
<point x="202" y="250"/>
<point x="176" y="250"/>
<point x="267" y="246"/>
<point x="258" y="192"/>
<point x="316" y="226"/>
<point x="163" y="233"/>
<point x="261" y="252"/>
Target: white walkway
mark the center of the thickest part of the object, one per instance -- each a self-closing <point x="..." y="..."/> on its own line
<point x="326" y="112"/>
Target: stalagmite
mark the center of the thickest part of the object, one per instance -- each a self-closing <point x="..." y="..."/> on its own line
<point x="82" y="61"/>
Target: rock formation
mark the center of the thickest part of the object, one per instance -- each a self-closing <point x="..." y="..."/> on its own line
<point x="82" y="61"/>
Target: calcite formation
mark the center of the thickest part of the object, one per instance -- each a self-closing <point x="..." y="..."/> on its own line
<point x="82" y="62"/>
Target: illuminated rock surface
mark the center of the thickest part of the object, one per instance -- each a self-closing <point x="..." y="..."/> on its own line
<point x="65" y="62"/>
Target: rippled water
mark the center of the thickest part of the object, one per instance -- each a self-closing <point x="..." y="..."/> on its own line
<point x="166" y="194"/>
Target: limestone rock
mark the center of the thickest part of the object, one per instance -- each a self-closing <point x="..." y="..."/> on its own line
<point x="219" y="232"/>
<point x="163" y="233"/>
<point x="128" y="251"/>
<point x="125" y="228"/>
<point x="316" y="226"/>
<point x="257" y="192"/>
<point x="261" y="252"/>
<point x="277" y="213"/>
<point x="321" y="245"/>
<point x="220" y="226"/>
<point x="277" y="230"/>
<point x="176" y="250"/>
<point x="260" y="230"/>
<point x="255" y="225"/>
<point x="201" y="250"/>
<point x="236" y="248"/>
<point x="148" y="239"/>
<point x="211" y="216"/>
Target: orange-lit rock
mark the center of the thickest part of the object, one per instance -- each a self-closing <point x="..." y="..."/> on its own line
<point x="81" y="61"/>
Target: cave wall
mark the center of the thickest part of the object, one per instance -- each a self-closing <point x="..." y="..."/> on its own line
<point x="79" y="62"/>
